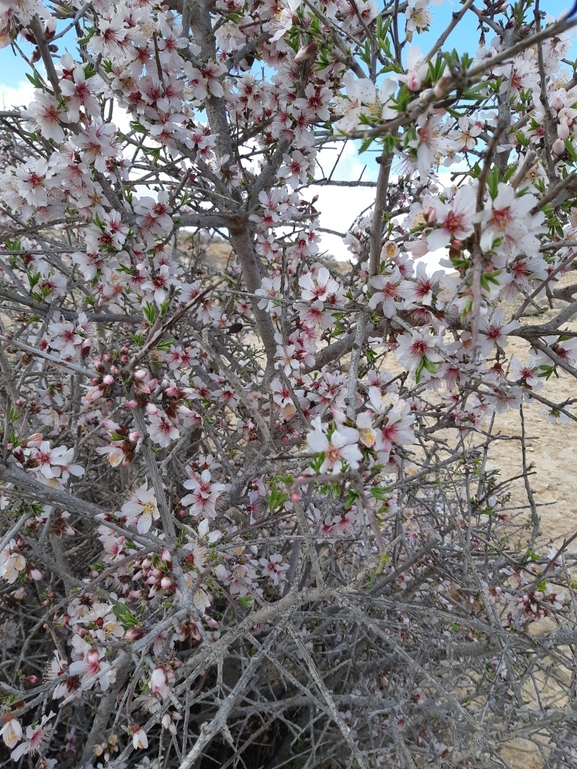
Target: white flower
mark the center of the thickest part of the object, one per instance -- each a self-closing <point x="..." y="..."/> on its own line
<point x="508" y="217"/>
<point x="11" y="732"/>
<point x="387" y="285"/>
<point x="274" y="568"/>
<point x="139" y="738"/>
<point x="339" y="449"/>
<point x="417" y="350"/>
<point x="47" y="114"/>
<point x="284" y="20"/>
<point x="93" y="669"/>
<point x="496" y="330"/>
<point x="454" y="219"/>
<point x="202" y="600"/>
<point x="143" y="505"/>
<point x="367" y="434"/>
<point x="162" y="431"/>
<point x="11" y="563"/>
<point x="364" y="99"/>
<point x="417" y="69"/>
<point x="318" y="285"/>
<point x="36" y="739"/>
<point x="270" y="290"/>
<point x="159" y="683"/>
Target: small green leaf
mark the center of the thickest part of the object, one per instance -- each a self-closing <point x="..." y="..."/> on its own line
<point x="149" y="311"/>
<point x="123" y="614"/>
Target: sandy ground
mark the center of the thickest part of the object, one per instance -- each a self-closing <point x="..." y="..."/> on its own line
<point x="551" y="448"/>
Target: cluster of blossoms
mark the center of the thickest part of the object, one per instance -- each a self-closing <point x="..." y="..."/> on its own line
<point x="216" y="435"/>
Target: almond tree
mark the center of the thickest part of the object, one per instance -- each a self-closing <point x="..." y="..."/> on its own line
<point x="248" y="516"/>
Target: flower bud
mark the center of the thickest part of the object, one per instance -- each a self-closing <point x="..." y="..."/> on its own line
<point x="563" y="131"/>
<point x="134" y="633"/>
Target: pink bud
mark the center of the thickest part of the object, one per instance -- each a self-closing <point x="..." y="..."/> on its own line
<point x="558" y="147"/>
<point x="151" y="409"/>
<point x="133" y="633"/>
<point x="157" y="680"/>
<point x="166" y="583"/>
<point x="441" y="88"/>
<point x="306" y="52"/>
<point x="430" y="214"/>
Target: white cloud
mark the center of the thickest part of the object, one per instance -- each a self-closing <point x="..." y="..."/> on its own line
<point x="16" y="96"/>
<point x="340" y="206"/>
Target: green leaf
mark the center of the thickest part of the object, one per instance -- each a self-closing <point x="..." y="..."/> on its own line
<point x="419" y="370"/>
<point x="123" y="614"/>
<point x="149" y="311"/>
<point x="493" y="182"/>
<point x="245" y="601"/>
<point x="165" y="345"/>
<point x="570" y="149"/>
<point x="509" y="173"/>
<point x="317" y="462"/>
<point x="276" y="497"/>
<point x="34" y="79"/>
<point x="366" y="143"/>
<point x="429" y="365"/>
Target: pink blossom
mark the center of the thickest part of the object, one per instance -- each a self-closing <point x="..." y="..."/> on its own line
<point x="78" y="92"/>
<point x="339" y="449"/>
<point x="496" y="330"/>
<point x="93" y="669"/>
<point x="162" y="431"/>
<point x="417" y="350"/>
<point x="204" y="496"/>
<point x="159" y="682"/>
<point x="454" y="219"/>
<point x="47" y="114"/>
<point x="36" y="739"/>
<point x="508" y="217"/>
<point x="274" y="568"/>
<point x="388" y="292"/>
